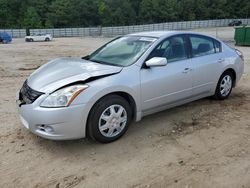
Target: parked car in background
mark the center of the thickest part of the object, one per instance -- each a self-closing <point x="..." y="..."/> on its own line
<point x="38" y="37"/>
<point x="5" y="37"/>
<point x="235" y="23"/>
<point x="124" y="80"/>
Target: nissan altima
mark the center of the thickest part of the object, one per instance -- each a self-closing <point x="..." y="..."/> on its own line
<point x="126" y="79"/>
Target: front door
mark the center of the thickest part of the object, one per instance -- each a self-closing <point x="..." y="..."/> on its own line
<point x="168" y="84"/>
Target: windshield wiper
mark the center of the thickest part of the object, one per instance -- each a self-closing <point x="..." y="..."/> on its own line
<point x="104" y="63"/>
<point x="86" y="57"/>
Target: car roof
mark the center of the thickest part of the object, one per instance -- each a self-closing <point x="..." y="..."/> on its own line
<point x="163" y="34"/>
<point x="156" y="34"/>
<point x="40" y="33"/>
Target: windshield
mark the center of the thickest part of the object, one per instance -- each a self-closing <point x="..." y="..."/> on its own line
<point x="123" y="51"/>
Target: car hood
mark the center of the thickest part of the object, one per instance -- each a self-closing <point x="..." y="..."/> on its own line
<point x="64" y="71"/>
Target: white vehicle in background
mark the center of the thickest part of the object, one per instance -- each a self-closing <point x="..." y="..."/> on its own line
<point x="38" y="37"/>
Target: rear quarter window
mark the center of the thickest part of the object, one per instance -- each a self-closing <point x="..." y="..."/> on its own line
<point x="217" y="46"/>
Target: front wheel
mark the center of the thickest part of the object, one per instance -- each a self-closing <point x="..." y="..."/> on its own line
<point x="224" y="86"/>
<point x="109" y="119"/>
<point x="47" y="39"/>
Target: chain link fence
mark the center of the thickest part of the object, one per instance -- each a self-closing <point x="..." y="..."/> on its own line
<point x="123" y="30"/>
<point x="15" y="33"/>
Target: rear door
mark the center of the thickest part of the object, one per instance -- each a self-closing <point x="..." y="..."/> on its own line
<point x="206" y="60"/>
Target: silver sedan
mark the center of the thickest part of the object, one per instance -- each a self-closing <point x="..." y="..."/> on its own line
<point x="128" y="78"/>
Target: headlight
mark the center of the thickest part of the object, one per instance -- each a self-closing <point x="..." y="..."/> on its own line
<point x="63" y="97"/>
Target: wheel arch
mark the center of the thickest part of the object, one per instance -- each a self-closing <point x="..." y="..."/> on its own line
<point x="125" y="95"/>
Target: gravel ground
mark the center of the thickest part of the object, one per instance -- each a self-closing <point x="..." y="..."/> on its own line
<point x="205" y="143"/>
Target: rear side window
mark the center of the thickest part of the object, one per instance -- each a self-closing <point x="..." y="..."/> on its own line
<point x="202" y="46"/>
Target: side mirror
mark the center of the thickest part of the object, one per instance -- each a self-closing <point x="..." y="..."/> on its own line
<point x="156" y="62"/>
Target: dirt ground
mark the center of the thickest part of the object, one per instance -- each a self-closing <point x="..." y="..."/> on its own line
<point x="201" y="144"/>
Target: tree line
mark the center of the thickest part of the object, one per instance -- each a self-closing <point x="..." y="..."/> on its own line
<point x="84" y="13"/>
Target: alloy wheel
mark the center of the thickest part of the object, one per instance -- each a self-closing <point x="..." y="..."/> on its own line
<point x="226" y="85"/>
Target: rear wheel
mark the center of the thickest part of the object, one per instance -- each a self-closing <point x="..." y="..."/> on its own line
<point x="224" y="86"/>
<point x="31" y="40"/>
<point x="109" y="119"/>
<point x="47" y="39"/>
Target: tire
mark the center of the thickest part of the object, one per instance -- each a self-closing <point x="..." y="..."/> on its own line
<point x="47" y="39"/>
<point x="225" y="82"/>
<point x="105" y="125"/>
<point x="31" y="40"/>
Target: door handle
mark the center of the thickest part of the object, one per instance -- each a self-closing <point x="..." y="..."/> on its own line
<point x="186" y="70"/>
<point x="221" y="60"/>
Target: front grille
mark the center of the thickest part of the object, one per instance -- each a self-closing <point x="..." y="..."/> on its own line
<point x="28" y="95"/>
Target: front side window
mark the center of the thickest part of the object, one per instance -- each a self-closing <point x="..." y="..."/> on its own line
<point x="202" y="46"/>
<point x="173" y="49"/>
<point x="123" y="51"/>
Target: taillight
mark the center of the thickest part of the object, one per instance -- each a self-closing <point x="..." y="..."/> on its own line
<point x="240" y="54"/>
